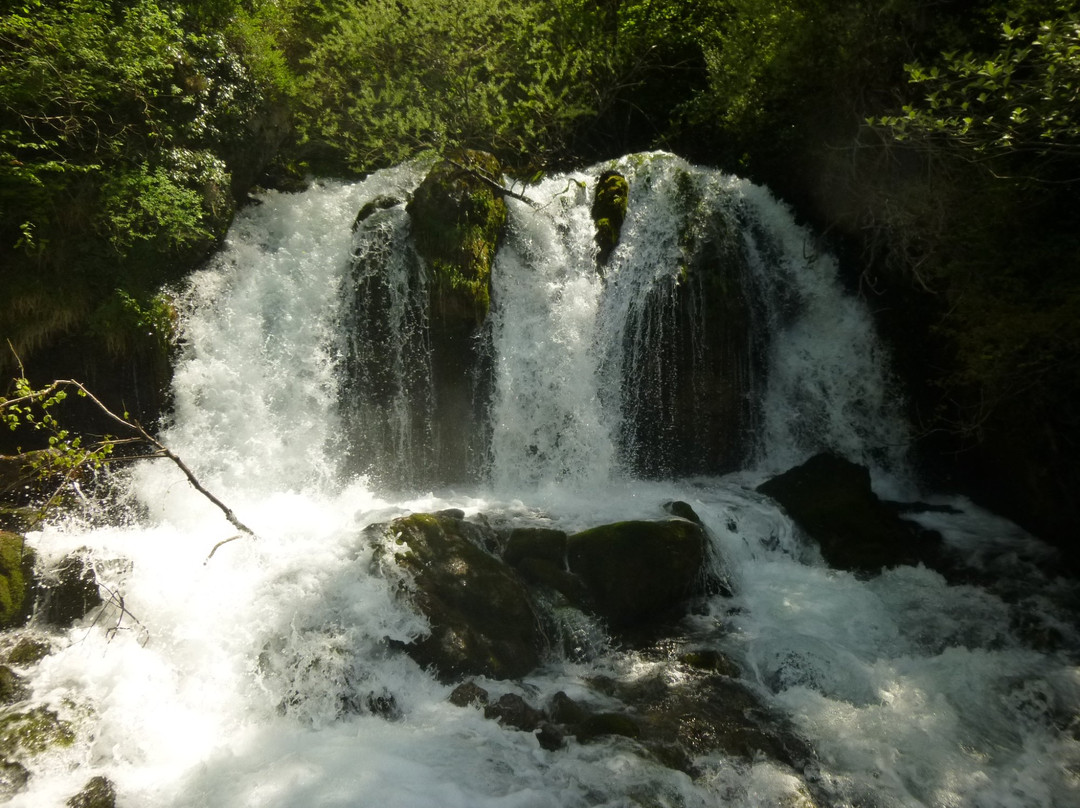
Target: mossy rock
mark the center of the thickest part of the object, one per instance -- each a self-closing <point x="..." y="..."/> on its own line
<point x="482" y="617"/>
<point x="16" y="580"/>
<point x="457" y="222"/>
<point x="33" y="732"/>
<point x="98" y="792"/>
<point x="27" y="651"/>
<point x="639" y="570"/>
<point x="609" y="211"/>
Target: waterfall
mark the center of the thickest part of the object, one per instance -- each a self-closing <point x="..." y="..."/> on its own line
<point x="716" y="337"/>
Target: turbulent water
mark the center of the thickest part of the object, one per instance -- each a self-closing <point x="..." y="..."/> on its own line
<point x="219" y="682"/>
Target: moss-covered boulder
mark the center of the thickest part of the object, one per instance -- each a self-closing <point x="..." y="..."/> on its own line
<point x="831" y="500"/>
<point x="483" y="620"/>
<point x="609" y="211"/>
<point x="16" y="580"/>
<point x="458" y="217"/>
<point x="98" y="792"/>
<point x="638" y="570"/>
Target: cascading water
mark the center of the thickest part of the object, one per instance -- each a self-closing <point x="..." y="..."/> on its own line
<point x="270" y="675"/>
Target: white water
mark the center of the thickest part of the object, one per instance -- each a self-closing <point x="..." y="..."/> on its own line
<point x="227" y="692"/>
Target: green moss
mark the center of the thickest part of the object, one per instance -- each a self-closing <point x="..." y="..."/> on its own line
<point x="16" y="579"/>
<point x="609" y="211"/>
<point x="33" y="732"/>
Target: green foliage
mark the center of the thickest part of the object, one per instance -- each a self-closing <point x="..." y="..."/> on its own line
<point x="387" y="80"/>
<point x="121" y="126"/>
<point x="1013" y="106"/>
<point x="33" y="409"/>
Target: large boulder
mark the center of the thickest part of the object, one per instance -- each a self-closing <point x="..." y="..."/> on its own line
<point x="694" y="350"/>
<point x="458" y="216"/>
<point x="831" y="500"/>
<point x="482" y="617"/>
<point x="638" y="570"/>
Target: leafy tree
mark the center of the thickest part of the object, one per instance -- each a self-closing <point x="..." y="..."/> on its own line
<point x="1012" y="107"/>
<point x="384" y="80"/>
<point x="122" y="125"/>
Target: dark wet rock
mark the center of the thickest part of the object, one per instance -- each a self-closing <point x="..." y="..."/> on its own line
<point x="512" y="710"/>
<point x="13" y="778"/>
<point x="637" y="570"/>
<point x="13" y="688"/>
<point x="535" y="542"/>
<point x="16" y="580"/>
<point x="677" y="507"/>
<point x="467" y="694"/>
<point x="697" y="714"/>
<point x="565" y="710"/>
<point x="98" y="792"/>
<point x="550" y="737"/>
<point x="383" y="202"/>
<point x="690" y="406"/>
<point x="707" y="659"/>
<point x="384" y="705"/>
<point x="482" y="617"/>
<point x="69" y="591"/>
<point x="831" y="500"/>
<point x="599" y="725"/>
<point x="458" y="219"/>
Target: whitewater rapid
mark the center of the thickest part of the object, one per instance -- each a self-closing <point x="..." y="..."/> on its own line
<point x="219" y="682"/>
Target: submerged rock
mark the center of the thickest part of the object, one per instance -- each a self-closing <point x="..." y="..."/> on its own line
<point x="482" y="617"/>
<point x="831" y="500"/>
<point x="638" y="570"/>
